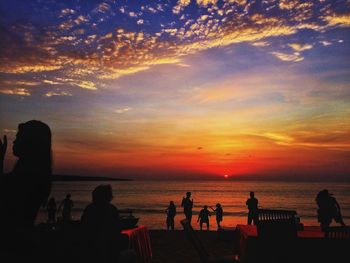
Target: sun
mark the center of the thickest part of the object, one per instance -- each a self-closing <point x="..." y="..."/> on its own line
<point x="226" y="175"/>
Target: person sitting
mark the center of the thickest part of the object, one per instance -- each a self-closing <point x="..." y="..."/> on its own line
<point x="102" y="227"/>
<point x="328" y="209"/>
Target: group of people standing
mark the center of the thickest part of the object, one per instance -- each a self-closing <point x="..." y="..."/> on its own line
<point x="203" y="215"/>
<point x="328" y="209"/>
<point x="52" y="209"/>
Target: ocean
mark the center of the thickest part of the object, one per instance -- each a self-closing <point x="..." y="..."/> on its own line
<point x="149" y="199"/>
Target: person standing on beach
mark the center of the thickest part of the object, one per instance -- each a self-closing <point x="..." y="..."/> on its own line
<point x="203" y="217"/>
<point x="187" y="204"/>
<point x="67" y="204"/>
<point x="218" y="214"/>
<point x="171" y="212"/>
<point x="328" y="209"/>
<point x="252" y="204"/>
<point x="25" y="189"/>
<point x="51" y="209"/>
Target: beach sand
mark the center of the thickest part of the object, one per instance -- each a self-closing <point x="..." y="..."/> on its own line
<point x="173" y="246"/>
<point x="167" y="246"/>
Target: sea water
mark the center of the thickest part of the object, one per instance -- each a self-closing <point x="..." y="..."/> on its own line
<point x="149" y="199"/>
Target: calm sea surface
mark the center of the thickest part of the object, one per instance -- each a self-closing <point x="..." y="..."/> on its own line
<point x="148" y="199"/>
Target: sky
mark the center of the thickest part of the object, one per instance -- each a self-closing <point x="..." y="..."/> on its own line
<point x="181" y="89"/>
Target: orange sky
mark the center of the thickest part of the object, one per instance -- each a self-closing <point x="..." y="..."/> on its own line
<point x="182" y="89"/>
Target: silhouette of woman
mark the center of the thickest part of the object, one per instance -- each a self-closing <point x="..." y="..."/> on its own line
<point x="51" y="209"/>
<point x="171" y="212"/>
<point x="28" y="186"/>
<point x="328" y="209"/>
<point x="218" y="214"/>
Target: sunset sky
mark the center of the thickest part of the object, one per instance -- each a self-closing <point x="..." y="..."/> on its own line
<point x="187" y="88"/>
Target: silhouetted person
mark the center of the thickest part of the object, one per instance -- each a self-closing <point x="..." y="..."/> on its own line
<point x="171" y="212"/>
<point x="67" y="204"/>
<point x="218" y="214"/>
<point x="102" y="225"/>
<point x="187" y="204"/>
<point x="25" y="188"/>
<point x="51" y="209"/>
<point x="252" y="204"/>
<point x="328" y="209"/>
<point x="203" y="217"/>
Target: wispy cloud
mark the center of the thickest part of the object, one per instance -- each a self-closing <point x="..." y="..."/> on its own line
<point x="295" y="57"/>
<point x="15" y="91"/>
<point x="58" y="93"/>
<point x="123" y="110"/>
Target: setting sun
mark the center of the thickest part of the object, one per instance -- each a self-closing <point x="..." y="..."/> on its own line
<point x="226" y="175"/>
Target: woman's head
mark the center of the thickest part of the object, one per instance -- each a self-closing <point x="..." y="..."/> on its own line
<point x="102" y="194"/>
<point x="33" y="146"/>
<point x="32" y="139"/>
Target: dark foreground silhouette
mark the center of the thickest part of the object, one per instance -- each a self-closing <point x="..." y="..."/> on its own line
<point x="187" y="204"/>
<point x="102" y="227"/>
<point x="24" y="189"/>
<point x="328" y="209"/>
<point x="171" y="212"/>
<point x="66" y="205"/>
<point x="252" y="204"/>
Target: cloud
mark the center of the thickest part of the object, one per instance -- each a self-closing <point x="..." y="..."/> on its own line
<point x="205" y="3"/>
<point x="326" y="43"/>
<point x="123" y="110"/>
<point x="288" y="4"/>
<point x="58" y="93"/>
<point x="66" y="11"/>
<point x="261" y="44"/>
<point x="295" y="57"/>
<point x="102" y="8"/>
<point x="300" y="47"/>
<point x="15" y="91"/>
<point x="181" y="4"/>
<point x="20" y="83"/>
<point x="338" y="20"/>
<point x="85" y="58"/>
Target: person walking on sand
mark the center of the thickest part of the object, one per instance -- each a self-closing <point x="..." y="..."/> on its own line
<point x="171" y="212"/>
<point x="203" y="217"/>
<point x="252" y="204"/>
<point x="67" y="204"/>
<point x="51" y="209"/>
<point x="218" y="214"/>
<point x="187" y="204"/>
<point x="328" y="209"/>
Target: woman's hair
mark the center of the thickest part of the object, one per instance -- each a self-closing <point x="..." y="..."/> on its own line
<point x="34" y="147"/>
<point x="102" y="194"/>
